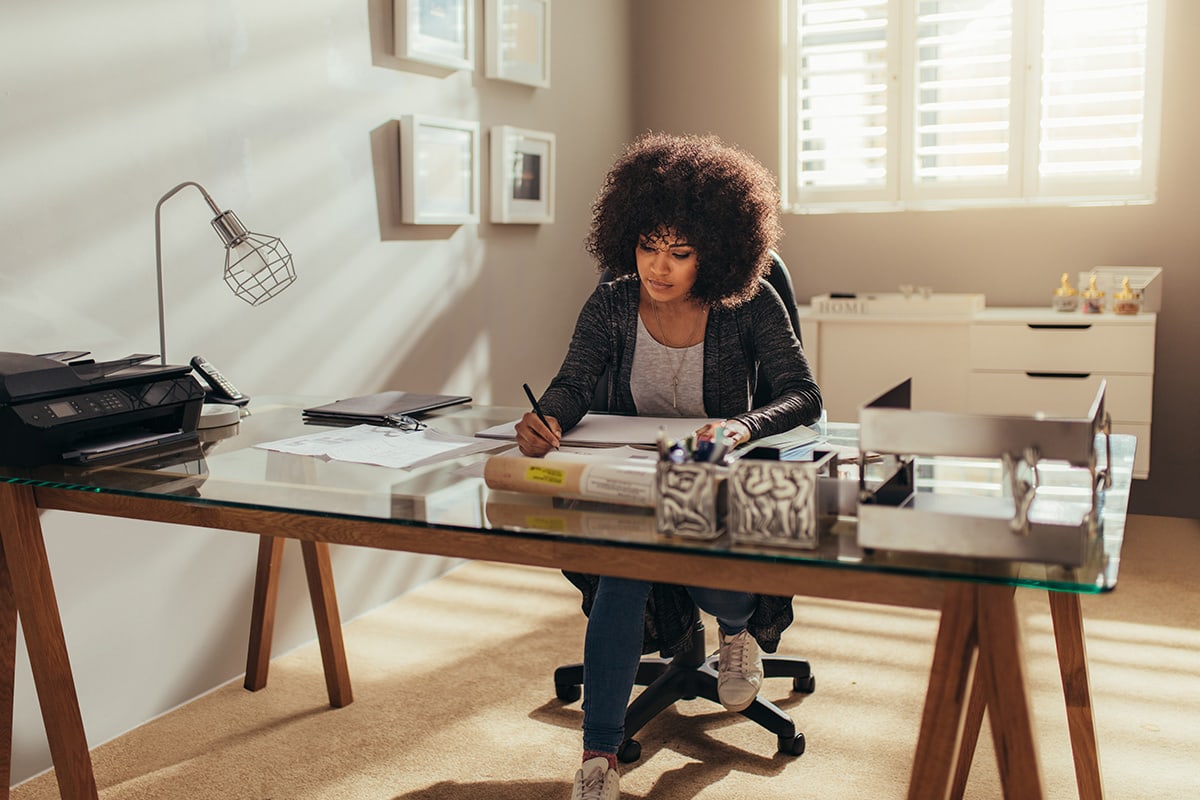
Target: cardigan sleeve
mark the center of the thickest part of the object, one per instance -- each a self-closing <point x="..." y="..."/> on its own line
<point x="796" y="398"/>
<point x="590" y="352"/>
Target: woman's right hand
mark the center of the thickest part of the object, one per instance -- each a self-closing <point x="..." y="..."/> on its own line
<point x="534" y="438"/>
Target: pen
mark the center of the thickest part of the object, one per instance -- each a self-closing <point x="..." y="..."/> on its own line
<point x="537" y="409"/>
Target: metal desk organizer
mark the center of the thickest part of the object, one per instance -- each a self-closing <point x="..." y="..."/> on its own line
<point x="779" y="502"/>
<point x="1022" y="520"/>
<point x="690" y="499"/>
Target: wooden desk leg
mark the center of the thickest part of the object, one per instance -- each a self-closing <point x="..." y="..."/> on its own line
<point x="950" y="681"/>
<point x="970" y="737"/>
<point x="8" y="667"/>
<point x="977" y="656"/>
<point x="319" y="571"/>
<point x="1005" y="693"/>
<point x="262" y="612"/>
<point x="27" y="574"/>
<point x="1067" y="614"/>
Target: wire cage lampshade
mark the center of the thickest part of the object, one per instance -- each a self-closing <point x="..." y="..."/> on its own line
<point x="257" y="266"/>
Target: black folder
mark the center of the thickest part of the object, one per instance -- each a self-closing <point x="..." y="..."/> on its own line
<point x="379" y="409"/>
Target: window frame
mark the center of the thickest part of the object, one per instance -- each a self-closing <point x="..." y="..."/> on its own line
<point x="900" y="192"/>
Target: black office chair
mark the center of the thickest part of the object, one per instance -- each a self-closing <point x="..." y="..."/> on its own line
<point x="692" y="673"/>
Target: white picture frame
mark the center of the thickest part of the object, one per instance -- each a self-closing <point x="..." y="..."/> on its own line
<point x="517" y="41"/>
<point x="522" y="175"/>
<point x="438" y="32"/>
<point x="439" y="170"/>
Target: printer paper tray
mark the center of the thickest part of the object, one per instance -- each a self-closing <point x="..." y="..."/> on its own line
<point x="124" y="445"/>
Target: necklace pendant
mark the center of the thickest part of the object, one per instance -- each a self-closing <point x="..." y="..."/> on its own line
<point x="675" y="392"/>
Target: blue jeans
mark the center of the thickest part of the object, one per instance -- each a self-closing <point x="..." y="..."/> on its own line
<point x="612" y="648"/>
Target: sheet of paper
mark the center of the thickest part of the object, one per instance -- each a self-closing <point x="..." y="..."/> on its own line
<point x="606" y="430"/>
<point x="375" y="444"/>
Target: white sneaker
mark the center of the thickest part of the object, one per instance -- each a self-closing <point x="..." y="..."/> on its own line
<point x="740" y="670"/>
<point x="596" y="781"/>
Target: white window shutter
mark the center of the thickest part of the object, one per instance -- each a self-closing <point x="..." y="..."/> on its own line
<point x="924" y="103"/>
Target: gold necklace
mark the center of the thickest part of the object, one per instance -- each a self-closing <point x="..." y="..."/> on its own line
<point x="683" y="350"/>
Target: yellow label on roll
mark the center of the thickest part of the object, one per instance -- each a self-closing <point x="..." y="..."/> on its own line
<point x="542" y="474"/>
<point x="546" y="523"/>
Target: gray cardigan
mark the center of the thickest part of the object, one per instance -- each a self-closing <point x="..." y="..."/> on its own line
<point x="742" y="345"/>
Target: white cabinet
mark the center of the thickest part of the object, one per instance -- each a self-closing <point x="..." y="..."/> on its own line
<point x="995" y="361"/>
<point x="859" y="359"/>
<point x="1025" y="361"/>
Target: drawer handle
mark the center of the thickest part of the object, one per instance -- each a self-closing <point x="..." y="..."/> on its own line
<point x="1071" y="375"/>
<point x="1049" y="326"/>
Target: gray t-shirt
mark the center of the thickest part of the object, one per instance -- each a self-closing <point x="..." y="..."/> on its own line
<point x="666" y="381"/>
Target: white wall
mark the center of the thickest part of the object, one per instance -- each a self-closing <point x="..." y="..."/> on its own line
<point x="287" y="114"/>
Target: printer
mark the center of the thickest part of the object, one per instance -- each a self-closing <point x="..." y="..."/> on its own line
<point x="52" y="409"/>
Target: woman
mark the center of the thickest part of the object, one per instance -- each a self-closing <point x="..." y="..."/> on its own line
<point x="687" y="328"/>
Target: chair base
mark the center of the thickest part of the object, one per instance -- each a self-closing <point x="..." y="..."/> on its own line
<point x="688" y="675"/>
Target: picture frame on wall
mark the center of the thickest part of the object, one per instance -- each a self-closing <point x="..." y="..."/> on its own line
<point x="438" y="32"/>
<point x="517" y="41"/>
<point x="439" y="170"/>
<point x="522" y="175"/>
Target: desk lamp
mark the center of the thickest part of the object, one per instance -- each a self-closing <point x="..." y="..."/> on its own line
<point x="257" y="267"/>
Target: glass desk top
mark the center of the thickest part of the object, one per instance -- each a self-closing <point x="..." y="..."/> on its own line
<point x="226" y="469"/>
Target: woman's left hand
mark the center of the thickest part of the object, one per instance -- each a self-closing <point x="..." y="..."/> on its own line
<point x="734" y="430"/>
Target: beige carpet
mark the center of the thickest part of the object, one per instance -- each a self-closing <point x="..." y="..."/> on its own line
<point x="454" y="701"/>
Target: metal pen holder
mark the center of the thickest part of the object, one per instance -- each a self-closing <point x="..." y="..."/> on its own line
<point x="690" y="499"/>
<point x="779" y="502"/>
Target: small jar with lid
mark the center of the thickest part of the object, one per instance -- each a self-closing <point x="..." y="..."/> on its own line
<point x="1092" y="298"/>
<point x="1126" y="301"/>
<point x="1065" y="297"/>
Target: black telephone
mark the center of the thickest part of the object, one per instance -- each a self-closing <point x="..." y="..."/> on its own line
<point x="220" y="389"/>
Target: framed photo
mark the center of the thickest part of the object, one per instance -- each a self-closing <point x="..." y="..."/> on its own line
<point x="439" y="170"/>
<point x="440" y="32"/>
<point x="522" y="175"/>
<point x="518" y="41"/>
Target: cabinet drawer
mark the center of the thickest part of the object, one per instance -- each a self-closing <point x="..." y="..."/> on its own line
<point x="1128" y="397"/>
<point x="1067" y="347"/>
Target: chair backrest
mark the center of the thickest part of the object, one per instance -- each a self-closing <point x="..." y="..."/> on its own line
<point x="781" y="281"/>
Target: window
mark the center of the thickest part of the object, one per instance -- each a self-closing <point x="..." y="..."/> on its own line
<point x="895" y="104"/>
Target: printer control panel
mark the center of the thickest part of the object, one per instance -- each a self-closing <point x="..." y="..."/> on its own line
<point x="91" y="405"/>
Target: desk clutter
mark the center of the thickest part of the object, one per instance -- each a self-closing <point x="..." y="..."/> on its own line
<point x="1041" y="500"/>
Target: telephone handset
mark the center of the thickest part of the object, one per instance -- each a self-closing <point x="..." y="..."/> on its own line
<point x="220" y="389"/>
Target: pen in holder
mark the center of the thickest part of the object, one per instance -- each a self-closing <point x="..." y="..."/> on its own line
<point x="690" y="499"/>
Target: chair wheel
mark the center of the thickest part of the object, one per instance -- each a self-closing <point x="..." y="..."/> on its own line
<point x="792" y="746"/>
<point x="568" y="693"/>
<point x="806" y="685"/>
<point x="630" y="751"/>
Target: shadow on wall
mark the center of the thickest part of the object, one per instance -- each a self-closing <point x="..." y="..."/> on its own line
<point x="466" y="355"/>
<point x="385" y="161"/>
<point x="385" y="140"/>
